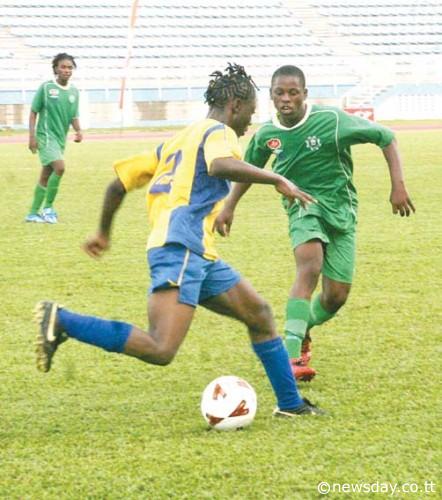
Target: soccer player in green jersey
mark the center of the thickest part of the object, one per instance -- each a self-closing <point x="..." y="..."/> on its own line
<point x="56" y="105"/>
<point x="311" y="147"/>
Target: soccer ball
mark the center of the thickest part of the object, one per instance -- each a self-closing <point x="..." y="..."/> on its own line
<point x="228" y="403"/>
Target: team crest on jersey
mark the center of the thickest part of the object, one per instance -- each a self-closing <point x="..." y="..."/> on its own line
<point x="313" y="143"/>
<point x="71" y="98"/>
<point x="53" y="93"/>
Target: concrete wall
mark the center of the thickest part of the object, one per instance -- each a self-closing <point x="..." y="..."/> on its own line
<point x="94" y="114"/>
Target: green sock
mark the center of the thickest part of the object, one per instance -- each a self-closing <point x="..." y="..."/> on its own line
<point x="52" y="189"/>
<point x="297" y="314"/>
<point x="318" y="314"/>
<point x="39" y="196"/>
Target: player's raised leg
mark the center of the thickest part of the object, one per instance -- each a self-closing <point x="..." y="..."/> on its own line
<point x="169" y="323"/>
<point x="334" y="295"/>
<point x="243" y="303"/>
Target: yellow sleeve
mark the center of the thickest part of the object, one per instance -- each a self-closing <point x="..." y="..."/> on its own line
<point x="136" y="171"/>
<point x="221" y="143"/>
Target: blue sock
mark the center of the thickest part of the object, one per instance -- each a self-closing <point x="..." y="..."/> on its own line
<point x="109" y="335"/>
<point x="275" y="359"/>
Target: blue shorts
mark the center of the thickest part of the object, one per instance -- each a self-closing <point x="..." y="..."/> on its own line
<point x="175" y="266"/>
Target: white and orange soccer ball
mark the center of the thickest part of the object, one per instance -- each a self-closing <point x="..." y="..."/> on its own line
<point x="228" y="403"/>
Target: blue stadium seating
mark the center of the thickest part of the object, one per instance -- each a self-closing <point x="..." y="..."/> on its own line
<point x="168" y="33"/>
<point x="176" y="43"/>
<point x="174" y="32"/>
<point x="396" y="27"/>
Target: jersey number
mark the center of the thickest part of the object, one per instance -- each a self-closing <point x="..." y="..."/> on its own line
<point x="164" y="181"/>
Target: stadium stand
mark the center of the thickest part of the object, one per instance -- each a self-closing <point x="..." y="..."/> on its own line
<point x="400" y="28"/>
<point x="341" y="47"/>
<point x="388" y="44"/>
<point x="168" y="34"/>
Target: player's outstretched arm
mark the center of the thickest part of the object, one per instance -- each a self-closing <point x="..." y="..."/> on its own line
<point x="100" y="242"/>
<point x="240" y="171"/>
<point x="399" y="198"/>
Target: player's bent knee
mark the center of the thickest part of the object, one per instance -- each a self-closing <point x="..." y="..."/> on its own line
<point x="162" y="357"/>
<point x="335" y="301"/>
<point x="164" y="361"/>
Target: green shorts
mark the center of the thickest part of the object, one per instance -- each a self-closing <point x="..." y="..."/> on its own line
<point x="49" y="150"/>
<point x="339" y="247"/>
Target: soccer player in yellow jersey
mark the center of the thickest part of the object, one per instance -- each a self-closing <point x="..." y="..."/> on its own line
<point x="187" y="179"/>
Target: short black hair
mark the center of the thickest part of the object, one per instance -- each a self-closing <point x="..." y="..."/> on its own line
<point x="60" y="57"/>
<point x="234" y="82"/>
<point x="289" y="70"/>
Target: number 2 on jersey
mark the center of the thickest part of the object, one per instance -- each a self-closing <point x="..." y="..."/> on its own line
<point x="164" y="181"/>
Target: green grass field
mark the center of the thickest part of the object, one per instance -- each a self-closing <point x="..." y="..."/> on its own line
<point x="101" y="425"/>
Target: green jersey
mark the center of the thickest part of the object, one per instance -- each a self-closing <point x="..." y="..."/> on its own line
<point x="315" y="155"/>
<point x="56" y="106"/>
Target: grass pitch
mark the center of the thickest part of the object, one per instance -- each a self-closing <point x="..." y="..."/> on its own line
<point x="101" y="425"/>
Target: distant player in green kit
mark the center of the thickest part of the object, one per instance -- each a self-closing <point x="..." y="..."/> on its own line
<point x="311" y="146"/>
<point x="56" y="104"/>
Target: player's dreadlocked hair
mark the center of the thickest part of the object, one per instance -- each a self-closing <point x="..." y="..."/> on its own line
<point x="234" y="82"/>
<point x="60" y="57"/>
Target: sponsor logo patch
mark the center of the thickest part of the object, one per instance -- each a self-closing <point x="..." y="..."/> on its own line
<point x="274" y="143"/>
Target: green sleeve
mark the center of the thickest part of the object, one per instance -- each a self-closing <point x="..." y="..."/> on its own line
<point x="353" y="129"/>
<point x="38" y="100"/>
<point x="256" y="154"/>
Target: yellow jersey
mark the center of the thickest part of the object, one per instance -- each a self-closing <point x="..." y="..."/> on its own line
<point x="182" y="199"/>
